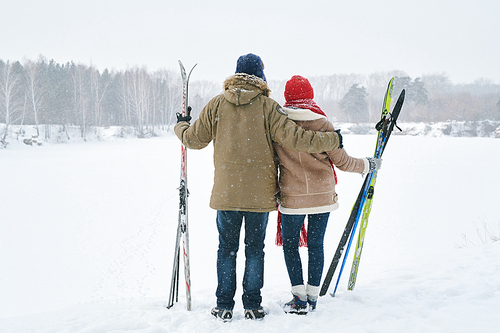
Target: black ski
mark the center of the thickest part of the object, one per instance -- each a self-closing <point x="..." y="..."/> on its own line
<point x="343" y="241"/>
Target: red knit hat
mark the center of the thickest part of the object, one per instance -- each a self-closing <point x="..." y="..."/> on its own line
<point x="299" y="94"/>
<point x="298" y="87"/>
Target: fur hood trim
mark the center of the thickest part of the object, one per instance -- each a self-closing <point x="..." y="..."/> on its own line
<point x="242" y="79"/>
<point x="302" y="114"/>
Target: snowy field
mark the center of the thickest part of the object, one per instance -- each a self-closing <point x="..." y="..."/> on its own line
<point x="87" y="234"/>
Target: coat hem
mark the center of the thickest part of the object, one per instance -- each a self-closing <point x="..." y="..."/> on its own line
<point x="244" y="209"/>
<point x="310" y="210"/>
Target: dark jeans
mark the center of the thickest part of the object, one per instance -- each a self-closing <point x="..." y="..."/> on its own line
<point x="316" y="227"/>
<point x="229" y="226"/>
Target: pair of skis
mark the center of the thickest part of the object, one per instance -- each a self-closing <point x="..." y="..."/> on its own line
<point x="182" y="225"/>
<point x="362" y="206"/>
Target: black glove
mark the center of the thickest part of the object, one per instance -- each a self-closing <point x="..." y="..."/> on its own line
<point x="180" y="117"/>
<point x="340" y="138"/>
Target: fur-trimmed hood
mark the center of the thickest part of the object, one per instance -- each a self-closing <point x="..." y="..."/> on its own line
<point x="241" y="88"/>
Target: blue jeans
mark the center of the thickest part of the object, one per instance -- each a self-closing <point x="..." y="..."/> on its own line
<point x="316" y="227"/>
<point x="229" y="226"/>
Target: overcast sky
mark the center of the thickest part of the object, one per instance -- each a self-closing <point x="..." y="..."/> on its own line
<point x="460" y="38"/>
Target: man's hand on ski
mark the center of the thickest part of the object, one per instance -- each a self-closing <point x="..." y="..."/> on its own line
<point x="187" y="117"/>
<point x="341" y="145"/>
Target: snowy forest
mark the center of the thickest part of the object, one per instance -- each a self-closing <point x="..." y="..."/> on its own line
<point x="44" y="95"/>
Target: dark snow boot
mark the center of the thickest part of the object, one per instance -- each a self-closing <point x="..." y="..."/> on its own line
<point x="260" y="313"/>
<point x="312" y="296"/>
<point x="224" y="315"/>
<point x="296" y="306"/>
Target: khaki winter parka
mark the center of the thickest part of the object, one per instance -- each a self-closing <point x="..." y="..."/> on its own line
<point x="243" y="124"/>
<point x="307" y="180"/>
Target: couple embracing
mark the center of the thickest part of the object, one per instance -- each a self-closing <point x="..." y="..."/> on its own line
<point x="263" y="151"/>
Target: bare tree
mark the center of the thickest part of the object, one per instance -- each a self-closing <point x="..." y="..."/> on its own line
<point x="138" y="98"/>
<point x="126" y="114"/>
<point x="173" y="98"/>
<point x="34" y="90"/>
<point x="9" y="89"/>
<point x="166" y="96"/>
<point x="98" y="86"/>
<point x="160" y="82"/>
<point x="81" y="98"/>
<point x="437" y="84"/>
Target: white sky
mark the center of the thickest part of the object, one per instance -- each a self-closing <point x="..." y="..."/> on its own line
<point x="460" y="38"/>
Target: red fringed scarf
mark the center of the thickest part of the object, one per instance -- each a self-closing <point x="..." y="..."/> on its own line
<point x="309" y="104"/>
<point x="279" y="234"/>
<point x="305" y="103"/>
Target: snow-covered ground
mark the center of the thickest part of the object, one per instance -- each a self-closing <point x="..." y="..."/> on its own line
<point x="87" y="234"/>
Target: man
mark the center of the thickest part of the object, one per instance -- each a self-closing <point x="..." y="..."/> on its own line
<point x="243" y="122"/>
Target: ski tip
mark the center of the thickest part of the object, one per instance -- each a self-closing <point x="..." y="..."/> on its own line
<point x="183" y="71"/>
<point x="182" y="65"/>
<point x="192" y="69"/>
<point x="401" y="98"/>
<point x="390" y="86"/>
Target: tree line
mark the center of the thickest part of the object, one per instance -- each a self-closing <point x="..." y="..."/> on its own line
<point x="430" y="98"/>
<point x="44" y="92"/>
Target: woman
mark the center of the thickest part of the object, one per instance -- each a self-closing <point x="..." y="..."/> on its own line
<point x="307" y="187"/>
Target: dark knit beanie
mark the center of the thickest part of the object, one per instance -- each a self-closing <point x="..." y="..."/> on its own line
<point x="298" y="87"/>
<point x="251" y="64"/>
